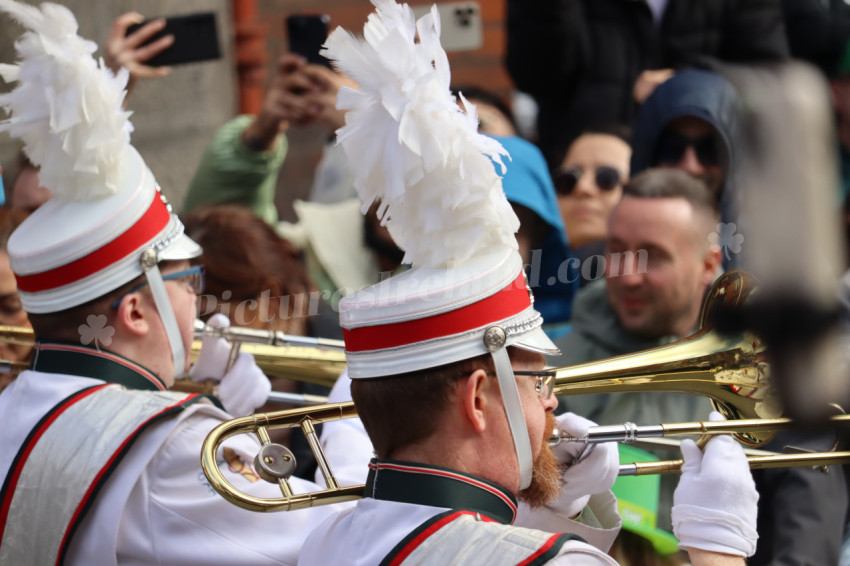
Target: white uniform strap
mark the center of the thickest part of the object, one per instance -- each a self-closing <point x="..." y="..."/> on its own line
<point x="74" y="449"/>
<point x="166" y="314"/>
<point x="516" y="419"/>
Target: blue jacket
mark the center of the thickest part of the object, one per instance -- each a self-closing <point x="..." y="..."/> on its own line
<point x="527" y="182"/>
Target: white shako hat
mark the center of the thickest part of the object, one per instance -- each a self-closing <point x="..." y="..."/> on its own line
<point x="108" y="223"/>
<point x="412" y="148"/>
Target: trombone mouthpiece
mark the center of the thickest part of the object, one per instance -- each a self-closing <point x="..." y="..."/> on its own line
<point x="559" y="436"/>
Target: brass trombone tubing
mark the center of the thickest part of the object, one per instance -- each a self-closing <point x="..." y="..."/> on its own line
<point x="260" y="424"/>
<point x="674" y="444"/>
<point x="268" y="337"/>
<point x="314" y="360"/>
<point x="814" y="459"/>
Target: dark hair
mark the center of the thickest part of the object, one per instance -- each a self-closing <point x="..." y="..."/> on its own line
<point x="242" y="254"/>
<point x="473" y="93"/>
<point x="63" y="325"/>
<point x="621" y="131"/>
<point x="378" y="239"/>
<point x="674" y="183"/>
<point x="10" y="219"/>
<point x="401" y="410"/>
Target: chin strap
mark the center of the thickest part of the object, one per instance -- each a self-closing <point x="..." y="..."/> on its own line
<point x="166" y="314"/>
<point x="516" y="418"/>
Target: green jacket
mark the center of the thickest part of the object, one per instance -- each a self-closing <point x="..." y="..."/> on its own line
<point x="596" y="334"/>
<point x="229" y="172"/>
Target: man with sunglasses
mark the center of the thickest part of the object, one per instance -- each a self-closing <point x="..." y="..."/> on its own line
<point x="99" y="462"/>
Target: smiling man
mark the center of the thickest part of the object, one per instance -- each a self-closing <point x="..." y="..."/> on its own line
<point x="659" y="262"/>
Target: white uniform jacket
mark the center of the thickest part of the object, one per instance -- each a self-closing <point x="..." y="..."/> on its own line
<point x="419" y="514"/>
<point x="155" y="505"/>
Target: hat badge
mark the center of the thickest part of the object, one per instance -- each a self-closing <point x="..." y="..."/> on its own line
<point x="495" y="338"/>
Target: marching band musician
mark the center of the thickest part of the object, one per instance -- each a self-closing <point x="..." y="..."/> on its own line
<point x="99" y="461"/>
<point x="446" y="360"/>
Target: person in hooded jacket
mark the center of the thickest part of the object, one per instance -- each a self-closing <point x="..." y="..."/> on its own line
<point x="690" y="122"/>
<point x="591" y="62"/>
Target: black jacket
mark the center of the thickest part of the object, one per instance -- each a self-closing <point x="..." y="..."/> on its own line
<point x="579" y="59"/>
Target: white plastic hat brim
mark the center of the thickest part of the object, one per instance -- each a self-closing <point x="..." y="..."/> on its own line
<point x="536" y="341"/>
<point x="183" y="247"/>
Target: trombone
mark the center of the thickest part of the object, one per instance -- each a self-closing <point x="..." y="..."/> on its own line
<point x="730" y="369"/>
<point x="279" y="355"/>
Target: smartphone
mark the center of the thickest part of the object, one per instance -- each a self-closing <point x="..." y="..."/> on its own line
<point x="307" y="33"/>
<point x="195" y="39"/>
<point x="460" y="25"/>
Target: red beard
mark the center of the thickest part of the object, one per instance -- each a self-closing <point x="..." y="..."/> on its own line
<point x="546" y="473"/>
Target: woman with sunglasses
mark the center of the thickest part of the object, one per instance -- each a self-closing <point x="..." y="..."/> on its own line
<point x="589" y="182"/>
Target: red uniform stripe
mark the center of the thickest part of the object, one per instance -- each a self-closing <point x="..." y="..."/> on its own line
<point x="509" y="301"/>
<point x="448" y="474"/>
<point x="152" y="222"/>
<point x="106" y="467"/>
<point x="423" y="536"/>
<point x="540" y="551"/>
<point x="104" y="354"/>
<point x="15" y="473"/>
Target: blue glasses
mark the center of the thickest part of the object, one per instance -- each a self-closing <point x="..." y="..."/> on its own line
<point x="194" y="277"/>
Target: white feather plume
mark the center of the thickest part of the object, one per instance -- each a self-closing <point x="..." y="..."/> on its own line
<point x="410" y="145"/>
<point x="67" y="107"/>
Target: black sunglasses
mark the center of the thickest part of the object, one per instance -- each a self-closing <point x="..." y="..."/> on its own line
<point x="672" y="147"/>
<point x="566" y="179"/>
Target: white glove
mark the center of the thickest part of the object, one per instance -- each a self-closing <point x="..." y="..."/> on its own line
<point x="715" y="503"/>
<point x="589" y="468"/>
<point x="212" y="359"/>
<point x="244" y="387"/>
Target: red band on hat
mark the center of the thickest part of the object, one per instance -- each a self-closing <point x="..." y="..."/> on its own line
<point x="145" y="229"/>
<point x="508" y="302"/>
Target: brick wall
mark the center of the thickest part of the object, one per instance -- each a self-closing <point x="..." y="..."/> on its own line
<point x="483" y="67"/>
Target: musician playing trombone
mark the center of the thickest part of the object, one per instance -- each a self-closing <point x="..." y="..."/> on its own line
<point x="98" y="460"/>
<point x="447" y="359"/>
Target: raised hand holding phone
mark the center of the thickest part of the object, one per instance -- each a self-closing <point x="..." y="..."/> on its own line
<point x="133" y="50"/>
<point x="194" y="39"/>
<point x="307" y="33"/>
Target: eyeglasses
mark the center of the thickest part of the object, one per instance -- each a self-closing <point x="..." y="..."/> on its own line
<point x="194" y="277"/>
<point x="566" y="179"/>
<point x="673" y="145"/>
<point x="545" y="385"/>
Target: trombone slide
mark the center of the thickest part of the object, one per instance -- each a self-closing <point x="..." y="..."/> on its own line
<point x="629" y="433"/>
<point x="814" y="459"/>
